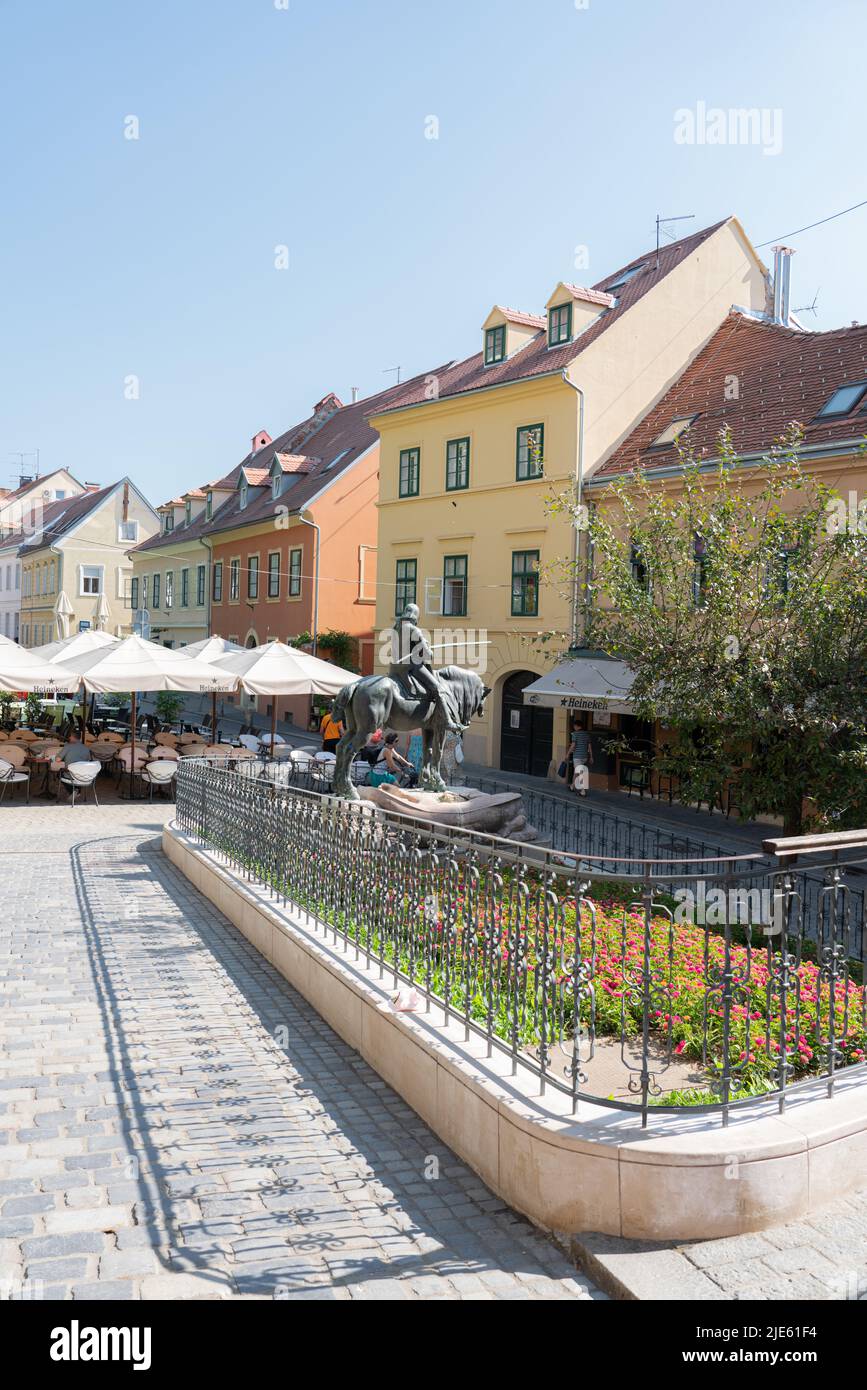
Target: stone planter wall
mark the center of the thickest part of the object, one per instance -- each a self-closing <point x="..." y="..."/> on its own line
<point x="684" y="1178"/>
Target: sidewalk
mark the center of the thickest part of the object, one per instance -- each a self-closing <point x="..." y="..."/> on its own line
<point x="177" y="1123"/>
<point x="716" y="828"/>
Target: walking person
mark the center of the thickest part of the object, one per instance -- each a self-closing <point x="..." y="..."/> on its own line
<point x="580" y="757"/>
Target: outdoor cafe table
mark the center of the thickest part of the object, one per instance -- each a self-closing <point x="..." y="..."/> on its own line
<point x="43" y="760"/>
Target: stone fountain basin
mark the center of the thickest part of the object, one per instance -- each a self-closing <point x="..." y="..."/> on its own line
<point x="464" y="808"/>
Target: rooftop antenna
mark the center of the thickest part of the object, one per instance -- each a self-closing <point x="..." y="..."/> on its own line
<point x="661" y="226"/>
<point x="809" y="308"/>
<point x="20" y="455"/>
<point x="392" y="369"/>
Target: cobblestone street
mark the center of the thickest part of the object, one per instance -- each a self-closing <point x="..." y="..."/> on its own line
<point x="176" y="1122"/>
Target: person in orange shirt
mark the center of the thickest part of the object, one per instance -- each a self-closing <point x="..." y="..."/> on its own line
<point x="332" y="731"/>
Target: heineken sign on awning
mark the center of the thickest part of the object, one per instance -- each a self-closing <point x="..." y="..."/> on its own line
<point x="592" y="682"/>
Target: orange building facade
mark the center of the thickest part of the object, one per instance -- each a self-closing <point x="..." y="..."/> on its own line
<point x="293" y="551"/>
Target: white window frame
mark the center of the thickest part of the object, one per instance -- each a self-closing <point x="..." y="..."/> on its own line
<point x="127" y="540"/>
<point x="86" y="572"/>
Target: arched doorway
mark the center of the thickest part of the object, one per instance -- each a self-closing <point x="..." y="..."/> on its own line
<point x="526" y="731"/>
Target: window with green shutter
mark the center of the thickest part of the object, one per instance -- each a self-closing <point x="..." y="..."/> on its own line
<point x="157" y="579"/>
<point x="218" y="581"/>
<point x="457" y="464"/>
<point x="525" y="583"/>
<point x="495" y="344"/>
<point x="559" y="324"/>
<point x="185" y="588"/>
<point x="200" y="586"/>
<point x="409" y="472"/>
<point x="274" y="574"/>
<point x="454" y="586"/>
<point x="295" y="559"/>
<point x="133" y="594"/>
<point x="405" y="584"/>
<point x="529" y="452"/>
<point x="252" y="576"/>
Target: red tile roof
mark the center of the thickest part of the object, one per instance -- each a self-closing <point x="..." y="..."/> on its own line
<point x="780" y="375"/>
<point x="342" y="435"/>
<point x="536" y="358"/>
<point x="297" y="463"/>
<point x="256" y="476"/>
<point x="592" y="296"/>
<point x="34" y="483"/>
<point x="518" y="316"/>
<point x="59" y="517"/>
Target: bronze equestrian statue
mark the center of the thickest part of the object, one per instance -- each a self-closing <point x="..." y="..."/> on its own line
<point x="411" y="696"/>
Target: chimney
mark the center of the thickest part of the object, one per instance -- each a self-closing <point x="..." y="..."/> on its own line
<point x="259" y="441"/>
<point x="354" y="394"/>
<point x="125" y="510"/>
<point x="782" y="283"/>
<point x="328" y="406"/>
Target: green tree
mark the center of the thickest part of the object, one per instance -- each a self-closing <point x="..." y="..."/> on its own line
<point x="168" y="705"/>
<point x="743" y="612"/>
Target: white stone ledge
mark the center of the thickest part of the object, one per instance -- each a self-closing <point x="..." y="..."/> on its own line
<point x="683" y="1178"/>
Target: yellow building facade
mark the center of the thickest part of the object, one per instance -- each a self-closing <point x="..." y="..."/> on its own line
<point x="466" y="466"/>
<point x="75" y="572"/>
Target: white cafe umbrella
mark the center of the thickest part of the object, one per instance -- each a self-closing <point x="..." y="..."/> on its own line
<point x="103" y="612"/>
<point x="63" y="611"/>
<point x="135" y="664"/>
<point x="21" y="670"/>
<point x="69" y="651"/>
<point x="277" y="669"/>
<point x="211" y="649"/>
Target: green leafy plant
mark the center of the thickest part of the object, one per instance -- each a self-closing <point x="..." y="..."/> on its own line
<point x="32" y="708"/>
<point x="740" y="602"/>
<point x="340" y="646"/>
<point x="168" y="705"/>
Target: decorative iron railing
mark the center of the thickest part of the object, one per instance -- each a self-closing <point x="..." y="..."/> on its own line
<point x="677" y="984"/>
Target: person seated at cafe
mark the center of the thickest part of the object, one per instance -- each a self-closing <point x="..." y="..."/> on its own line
<point x="392" y="761"/>
<point x="74" y="751"/>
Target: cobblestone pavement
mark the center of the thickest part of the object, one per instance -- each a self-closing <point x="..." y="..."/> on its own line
<point x="823" y="1257"/>
<point x="177" y="1122"/>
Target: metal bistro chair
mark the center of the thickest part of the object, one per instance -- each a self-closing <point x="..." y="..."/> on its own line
<point x="10" y="774"/>
<point x="80" y="776"/>
<point x="160" y="773"/>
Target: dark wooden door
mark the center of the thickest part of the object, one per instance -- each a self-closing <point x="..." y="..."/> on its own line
<point x="526" y="731"/>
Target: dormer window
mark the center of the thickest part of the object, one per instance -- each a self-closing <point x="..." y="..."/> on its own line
<point x="169" y="521"/>
<point x="844" y="399"/>
<point x="559" y="324"/>
<point x="242" y="494"/>
<point x="276" y="485"/>
<point x="672" y="432"/>
<point x="495" y="344"/>
<point x="188" y="512"/>
<point x="209" y="506"/>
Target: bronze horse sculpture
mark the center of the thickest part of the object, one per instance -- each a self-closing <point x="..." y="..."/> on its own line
<point x="379" y="702"/>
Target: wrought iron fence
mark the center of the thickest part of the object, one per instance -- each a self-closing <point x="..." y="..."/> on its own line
<point x="594" y="834"/>
<point x="670" y="986"/>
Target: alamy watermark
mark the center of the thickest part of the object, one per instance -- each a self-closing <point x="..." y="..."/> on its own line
<point x="448" y="646"/>
<point x="717" y="906"/>
<point x="733" y="125"/>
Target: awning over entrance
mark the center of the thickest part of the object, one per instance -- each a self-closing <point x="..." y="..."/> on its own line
<point x="592" y="681"/>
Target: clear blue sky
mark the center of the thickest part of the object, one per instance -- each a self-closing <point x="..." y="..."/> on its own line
<point x="262" y="126"/>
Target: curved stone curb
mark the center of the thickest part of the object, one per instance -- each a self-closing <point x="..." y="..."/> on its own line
<point x="685" y="1178"/>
